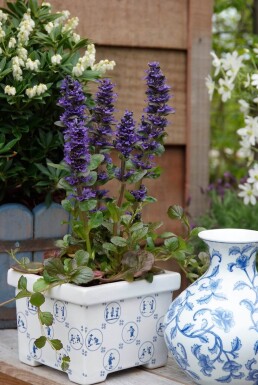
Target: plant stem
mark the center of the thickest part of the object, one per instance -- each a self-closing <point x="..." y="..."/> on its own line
<point x="121" y="194"/>
<point x="7" y="302"/>
<point x="123" y="184"/>
<point x="84" y="218"/>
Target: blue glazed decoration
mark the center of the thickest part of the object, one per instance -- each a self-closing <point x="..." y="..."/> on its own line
<point x="211" y="328"/>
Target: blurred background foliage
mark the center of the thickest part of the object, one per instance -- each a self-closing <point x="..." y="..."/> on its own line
<point x="235" y="27"/>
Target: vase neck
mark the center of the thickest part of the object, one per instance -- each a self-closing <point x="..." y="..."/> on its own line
<point x="233" y="256"/>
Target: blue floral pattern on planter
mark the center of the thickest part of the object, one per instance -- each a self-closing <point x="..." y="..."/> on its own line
<point x="211" y="328"/>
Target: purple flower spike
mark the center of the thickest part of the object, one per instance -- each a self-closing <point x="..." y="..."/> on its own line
<point x="76" y="147"/>
<point x="102" y="117"/>
<point x="152" y="127"/>
<point x="125" y="135"/>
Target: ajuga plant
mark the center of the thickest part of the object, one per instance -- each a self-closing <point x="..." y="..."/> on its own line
<point x="109" y="239"/>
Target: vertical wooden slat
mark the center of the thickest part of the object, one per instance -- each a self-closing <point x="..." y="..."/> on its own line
<point x="198" y="67"/>
<point x="48" y="224"/>
<point x="16" y="223"/>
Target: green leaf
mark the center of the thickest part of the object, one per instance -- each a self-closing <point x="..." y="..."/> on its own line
<point x="22" y="294"/>
<point x="88" y="205"/>
<point x="55" y="268"/>
<point x="129" y="197"/>
<point x="67" y="205"/>
<point x="136" y="177"/>
<point x="92" y="178"/>
<point x="46" y="318"/>
<point x="60" y="166"/>
<point x="56" y="344"/>
<point x="109" y="246"/>
<point x="140" y="234"/>
<point x="95" y="161"/>
<point x="96" y="220"/>
<point x="150" y="199"/>
<point x="114" y="211"/>
<point x="82" y="275"/>
<point x="81" y="257"/>
<point x="40" y="285"/>
<point x="40" y="342"/>
<point x="65" y="363"/>
<point x="37" y="299"/>
<point x="136" y="226"/>
<point x="22" y="283"/>
<point x="171" y="243"/>
<point x="126" y="219"/>
<point x="8" y="146"/>
<point x="175" y="212"/>
<point x="194" y="232"/>
<point x="119" y="241"/>
<point x="167" y="234"/>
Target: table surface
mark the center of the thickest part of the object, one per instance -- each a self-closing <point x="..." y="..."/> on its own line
<point x="13" y="372"/>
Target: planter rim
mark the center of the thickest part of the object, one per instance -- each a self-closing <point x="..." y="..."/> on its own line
<point x="114" y="291"/>
<point x="229" y="235"/>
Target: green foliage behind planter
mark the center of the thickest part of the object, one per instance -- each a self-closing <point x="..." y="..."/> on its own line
<point x="229" y="211"/>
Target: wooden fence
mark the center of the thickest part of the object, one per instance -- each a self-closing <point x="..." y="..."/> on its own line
<point x="31" y="232"/>
<point x="133" y="33"/>
<point x="178" y="35"/>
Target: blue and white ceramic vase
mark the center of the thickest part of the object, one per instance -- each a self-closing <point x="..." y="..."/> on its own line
<point x="211" y="328"/>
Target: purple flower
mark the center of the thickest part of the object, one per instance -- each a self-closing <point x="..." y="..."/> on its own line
<point x="76" y="147"/>
<point x="158" y="94"/>
<point x="102" y="116"/>
<point x="126" y="175"/>
<point x="103" y="176"/>
<point x="140" y="194"/>
<point x="125" y="135"/>
<point x="87" y="193"/>
<point x="152" y="127"/>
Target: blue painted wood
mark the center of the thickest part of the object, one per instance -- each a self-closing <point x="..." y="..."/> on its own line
<point x="48" y="223"/>
<point x="16" y="223"/>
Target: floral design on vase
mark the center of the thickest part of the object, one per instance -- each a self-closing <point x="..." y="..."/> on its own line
<point x="211" y="328"/>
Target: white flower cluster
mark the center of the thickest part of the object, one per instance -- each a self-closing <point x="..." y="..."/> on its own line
<point x="20" y="61"/>
<point x="64" y="15"/>
<point x="71" y="24"/>
<point x="228" y="67"/>
<point x="56" y="59"/>
<point x="36" y="90"/>
<point x="12" y="42"/>
<point x="232" y="69"/>
<point x="20" y="54"/>
<point x="3" y="16"/>
<point x="25" y="28"/>
<point x="2" y="32"/>
<point x="104" y="65"/>
<point x="88" y="61"/>
<point x="17" y="63"/>
<point x="9" y="90"/>
<point x="3" y="19"/>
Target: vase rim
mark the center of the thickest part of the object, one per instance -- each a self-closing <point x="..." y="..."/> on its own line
<point x="229" y="235"/>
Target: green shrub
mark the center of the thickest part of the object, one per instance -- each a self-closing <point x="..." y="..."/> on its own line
<point x="38" y="48"/>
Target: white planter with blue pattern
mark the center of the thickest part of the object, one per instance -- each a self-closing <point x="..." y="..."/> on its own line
<point x="103" y="329"/>
<point x="211" y="328"/>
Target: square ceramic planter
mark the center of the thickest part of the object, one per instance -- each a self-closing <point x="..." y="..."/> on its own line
<point x="103" y="329"/>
